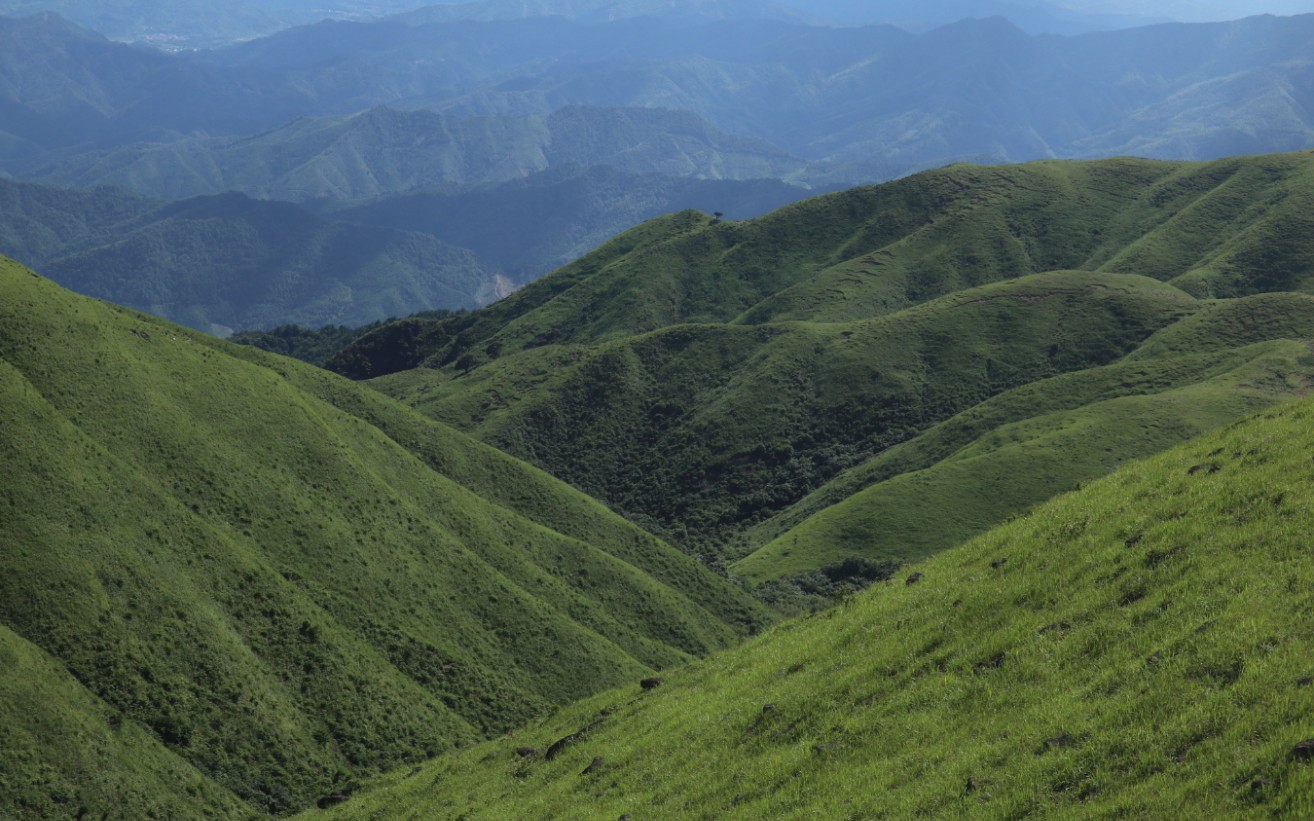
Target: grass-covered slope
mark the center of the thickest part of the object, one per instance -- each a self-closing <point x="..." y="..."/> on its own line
<point x="1138" y="648"/>
<point x="705" y="377"/>
<point x="706" y="427"/>
<point x="284" y="580"/>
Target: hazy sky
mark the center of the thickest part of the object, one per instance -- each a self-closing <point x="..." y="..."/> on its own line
<point x="1193" y="9"/>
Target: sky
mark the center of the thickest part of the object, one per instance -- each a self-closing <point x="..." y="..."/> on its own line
<point x="1192" y="10"/>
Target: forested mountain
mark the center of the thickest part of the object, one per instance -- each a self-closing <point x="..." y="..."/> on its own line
<point x="232" y="583"/>
<point x="525" y="228"/>
<point x="383" y="151"/>
<point x="229" y="262"/>
<point x="881" y="373"/>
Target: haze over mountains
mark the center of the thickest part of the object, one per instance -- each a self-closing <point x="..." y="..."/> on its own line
<point x="465" y="129"/>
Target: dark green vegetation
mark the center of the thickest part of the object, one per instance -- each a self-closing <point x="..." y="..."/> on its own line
<point x="882" y="373"/>
<point x="316" y="345"/>
<point x="1138" y="649"/>
<point x="232" y="583"/>
<point x="224" y="262"/>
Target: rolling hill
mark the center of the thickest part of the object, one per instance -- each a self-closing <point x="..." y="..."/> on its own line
<point x="891" y="369"/>
<point x="233" y="583"/>
<point x="1137" y="648"/>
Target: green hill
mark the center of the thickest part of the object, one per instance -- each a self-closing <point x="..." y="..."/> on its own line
<point x="936" y="353"/>
<point x="1134" y="649"/>
<point x="233" y="583"/>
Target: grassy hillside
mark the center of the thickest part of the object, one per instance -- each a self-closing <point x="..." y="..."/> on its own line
<point x="932" y="344"/>
<point x="1134" y="649"/>
<point x="272" y="581"/>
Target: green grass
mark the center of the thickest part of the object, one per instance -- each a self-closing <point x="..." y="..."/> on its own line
<point x="1136" y="649"/>
<point x="287" y="580"/>
<point x="717" y="382"/>
<point x="699" y="430"/>
<point x="1003" y="472"/>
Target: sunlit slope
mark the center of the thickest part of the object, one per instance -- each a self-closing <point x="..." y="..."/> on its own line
<point x="66" y="753"/>
<point x="1227" y="359"/>
<point x="709" y="378"/>
<point x="274" y="585"/>
<point x="704" y="428"/>
<point x="1138" y="648"/>
<point x="1220" y="229"/>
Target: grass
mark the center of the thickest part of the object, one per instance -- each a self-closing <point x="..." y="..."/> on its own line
<point x="1134" y="649"/>
<point x="288" y="581"/>
<point x="717" y="381"/>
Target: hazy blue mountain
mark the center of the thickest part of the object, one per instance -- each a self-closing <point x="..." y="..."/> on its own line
<point x="869" y="103"/>
<point x="525" y="228"/>
<point x="190" y="24"/>
<point x="601" y="11"/>
<point x="1035" y="16"/>
<point x="232" y="262"/>
<point x="384" y="151"/>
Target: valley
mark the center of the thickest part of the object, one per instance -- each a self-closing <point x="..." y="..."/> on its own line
<point x="620" y="409"/>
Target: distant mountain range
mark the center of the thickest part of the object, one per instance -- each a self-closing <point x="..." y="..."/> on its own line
<point x="527" y="142"/>
<point x="229" y="262"/>
<point x="384" y="151"/>
<point x="981" y="90"/>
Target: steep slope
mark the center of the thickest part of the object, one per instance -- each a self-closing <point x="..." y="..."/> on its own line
<point x="285" y="580"/>
<point x="705" y="377"/>
<point x="225" y="262"/>
<point x="1138" y="648"/>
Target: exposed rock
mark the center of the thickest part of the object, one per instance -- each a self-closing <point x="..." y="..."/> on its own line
<point x="332" y="799"/>
<point x="562" y="743"/>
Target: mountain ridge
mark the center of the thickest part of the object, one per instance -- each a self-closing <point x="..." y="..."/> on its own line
<point x="269" y="632"/>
